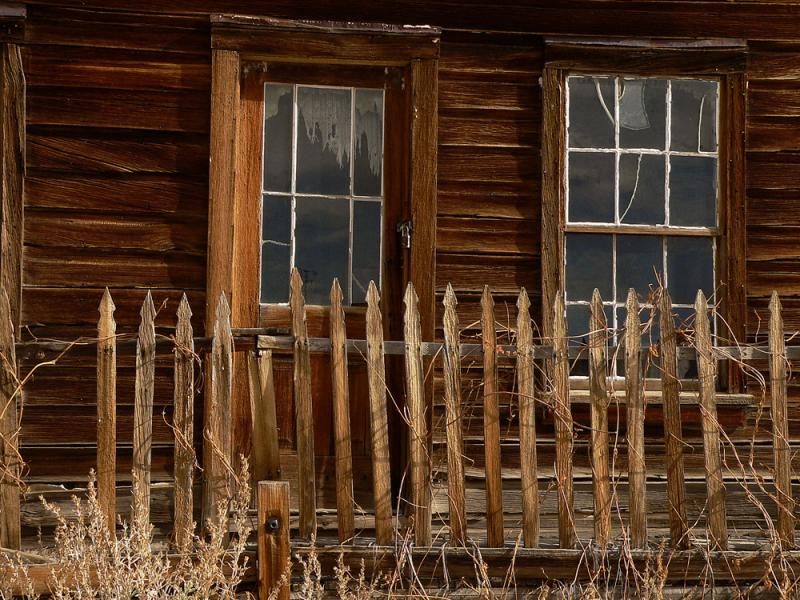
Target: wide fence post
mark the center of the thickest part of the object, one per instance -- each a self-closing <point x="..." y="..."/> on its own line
<point x="418" y="430"/>
<point x="304" y="414"/>
<point x="143" y="412"/>
<point x="379" y="421"/>
<point x="780" y="424"/>
<point x="266" y="457"/>
<point x="707" y="374"/>
<point x="107" y="411"/>
<point x="634" y="393"/>
<point x="673" y="436"/>
<point x="563" y="427"/>
<point x="451" y="359"/>
<point x="10" y="461"/>
<point x="184" y="427"/>
<point x="273" y="540"/>
<point x="341" y="416"/>
<point x="527" y="425"/>
<point x="599" y="407"/>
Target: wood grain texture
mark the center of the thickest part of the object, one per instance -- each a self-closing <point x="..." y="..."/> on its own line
<point x="707" y="374"/>
<point x="265" y="454"/>
<point x="673" y="436"/>
<point x="451" y="361"/>
<point x="526" y="387"/>
<point x="184" y="397"/>
<point x="107" y="411"/>
<point x="379" y="424"/>
<point x="10" y="458"/>
<point x="143" y="413"/>
<point x="273" y="539"/>
<point x="780" y="428"/>
<point x="637" y="469"/>
<point x="304" y="414"/>
<point x="598" y="373"/>
<point x="563" y="427"/>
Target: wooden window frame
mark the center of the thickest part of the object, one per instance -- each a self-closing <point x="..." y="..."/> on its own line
<point x="234" y="231"/>
<point x="723" y="60"/>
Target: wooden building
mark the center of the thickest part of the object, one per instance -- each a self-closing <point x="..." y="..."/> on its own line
<point x="209" y="146"/>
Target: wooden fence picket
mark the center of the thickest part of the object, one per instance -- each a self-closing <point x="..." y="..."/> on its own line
<point x="266" y="455"/>
<point x="304" y="414"/>
<point x="10" y="461"/>
<point x="341" y="416"/>
<point x="379" y="422"/>
<point x="563" y="427"/>
<point x="143" y="412"/>
<point x="418" y="430"/>
<point x="527" y="425"/>
<point x="634" y="393"/>
<point x="107" y="411"/>
<point x="184" y="427"/>
<point x="780" y="424"/>
<point x="673" y="436"/>
<point x="451" y="359"/>
<point x="598" y="372"/>
<point x="707" y="375"/>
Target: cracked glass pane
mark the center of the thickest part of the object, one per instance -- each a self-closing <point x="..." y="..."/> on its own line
<point x="591" y="187"/>
<point x="366" y="248"/>
<point x="276" y="232"/>
<point x="367" y="168"/>
<point x="277" y="137"/>
<point x="639" y="265"/>
<point x="690" y="267"/>
<point x="642" y="113"/>
<point x="323" y="140"/>
<point x="641" y="189"/>
<point x="694" y="116"/>
<point x="322" y="237"/>
<point x="591" y="112"/>
<point x="693" y="191"/>
<point x="588" y="265"/>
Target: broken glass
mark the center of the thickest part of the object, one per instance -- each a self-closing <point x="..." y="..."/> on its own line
<point x="641" y="189"/>
<point x="368" y="162"/>
<point x="589" y="261"/>
<point x="694" y="115"/>
<point x="642" y="113"/>
<point x="366" y="248"/>
<point x="591" y="187"/>
<point x="639" y="265"/>
<point x="323" y="140"/>
<point x="690" y="267"/>
<point x="278" y="137"/>
<point x="276" y="236"/>
<point x="693" y="191"/>
<point x="322" y="239"/>
<point x="591" y="112"/>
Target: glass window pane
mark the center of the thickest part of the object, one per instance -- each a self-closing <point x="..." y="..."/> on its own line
<point x="578" y="316"/>
<point x="368" y="167"/>
<point x="323" y="140"/>
<point x="642" y="113"/>
<point x="693" y="191"/>
<point x="275" y="271"/>
<point x="591" y="112"/>
<point x="694" y="115"/>
<point x="690" y="267"/>
<point x="639" y="262"/>
<point x="641" y="189"/>
<point x="366" y="248"/>
<point x="588" y="265"/>
<point x="591" y="187"/>
<point x="277" y="219"/>
<point x="322" y="236"/>
<point x="278" y="137"/>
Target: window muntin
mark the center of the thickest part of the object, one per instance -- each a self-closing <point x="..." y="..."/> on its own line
<point x="642" y="191"/>
<point x="322" y="191"/>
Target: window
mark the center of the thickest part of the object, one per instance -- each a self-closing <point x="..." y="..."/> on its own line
<point x="642" y="181"/>
<point x="322" y="196"/>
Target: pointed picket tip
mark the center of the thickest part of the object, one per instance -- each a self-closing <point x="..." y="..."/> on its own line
<point x="700" y="303"/>
<point x="410" y="297"/>
<point x="223" y="308"/>
<point x="450" y="300"/>
<point x="523" y="301"/>
<point x="665" y="301"/>
<point x="184" y="312"/>
<point x="486" y="297"/>
<point x="558" y="305"/>
<point x="632" y="302"/>
<point x="596" y="297"/>
<point x="295" y="281"/>
<point x="336" y="292"/>
<point x="598" y="315"/>
<point x="775" y="302"/>
<point x="107" y="305"/>
<point x="373" y="297"/>
<point x="148" y="311"/>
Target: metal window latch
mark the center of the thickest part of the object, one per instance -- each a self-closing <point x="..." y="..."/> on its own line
<point x="405" y="229"/>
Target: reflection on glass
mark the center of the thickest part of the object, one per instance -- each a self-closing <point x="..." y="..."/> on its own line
<point x="276" y="236"/>
<point x="322" y="233"/>
<point x="641" y="189"/>
<point x="367" y="174"/>
<point x="366" y="248"/>
<point x="639" y="264"/>
<point x="690" y="267"/>
<point x="323" y="140"/>
<point x="588" y="265"/>
<point x="642" y="113"/>
<point x="693" y="191"/>
<point x="591" y="112"/>
<point x="278" y="137"/>
<point x="591" y="187"/>
<point x="694" y="115"/>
